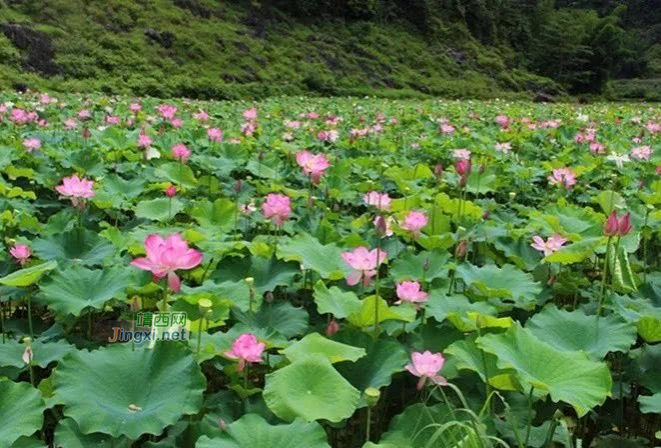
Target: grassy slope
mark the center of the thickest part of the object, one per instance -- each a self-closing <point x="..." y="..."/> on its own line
<point x="219" y="50"/>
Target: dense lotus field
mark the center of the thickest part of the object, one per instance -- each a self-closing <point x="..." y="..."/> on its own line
<point x="328" y="273"/>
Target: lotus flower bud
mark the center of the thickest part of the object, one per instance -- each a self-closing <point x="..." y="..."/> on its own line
<point x="463" y="167"/>
<point x="171" y="191"/>
<point x="624" y="225"/>
<point x="611" y="226"/>
<point x="135" y="304"/>
<point x="332" y="328"/>
<point x="381" y="226"/>
<point x="269" y="297"/>
<point x="438" y="170"/>
<point x="237" y="186"/>
<point x="86" y="133"/>
<point x="461" y="249"/>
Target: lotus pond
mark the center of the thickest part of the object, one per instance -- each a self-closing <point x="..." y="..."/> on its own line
<point x="328" y="273"/>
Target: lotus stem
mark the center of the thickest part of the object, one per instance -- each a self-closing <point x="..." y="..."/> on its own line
<point x="604" y="274"/>
<point x="532" y="388"/>
<point x="29" y="304"/>
<point x="368" y="424"/>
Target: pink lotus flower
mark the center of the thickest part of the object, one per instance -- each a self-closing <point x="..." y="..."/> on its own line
<point x="641" y="152"/>
<point x="181" y="152"/>
<point x="504" y="147"/>
<point x="70" y="123"/>
<point x="463" y="167"/>
<point x="615" y="226"/>
<point x="426" y="366"/>
<point x="293" y="124"/>
<point x="166" y="256"/>
<point x="597" y="148"/>
<point x="21" y="253"/>
<point x="313" y="165"/>
<point x="112" y="119"/>
<point x="383" y="225"/>
<point x="84" y="114"/>
<point x="332" y="328"/>
<point x="378" y="200"/>
<point x="277" y="208"/>
<point x="31" y="144"/>
<point x="549" y="246"/>
<point x="167" y="111"/>
<point x="447" y="129"/>
<point x="462" y="154"/>
<point x="328" y="136"/>
<point x="248" y="128"/>
<point x="364" y="263"/>
<point x="563" y="176"/>
<point x="135" y="107"/>
<point x="653" y="128"/>
<point x="201" y="116"/>
<point x="246" y="348"/>
<point x="414" y="222"/>
<point x="176" y="123"/>
<point x="171" y="191"/>
<point x="410" y="292"/>
<point x="215" y="135"/>
<point x="503" y="121"/>
<point x="77" y="189"/>
<point x="250" y="114"/>
<point x="144" y="141"/>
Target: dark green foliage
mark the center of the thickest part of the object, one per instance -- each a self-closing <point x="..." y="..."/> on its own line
<point x="259" y="48"/>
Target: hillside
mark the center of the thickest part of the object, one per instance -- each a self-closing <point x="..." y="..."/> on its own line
<point x="211" y="49"/>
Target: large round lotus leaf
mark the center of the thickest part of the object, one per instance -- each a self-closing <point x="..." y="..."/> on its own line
<point x="78" y="246"/>
<point x="570" y="377"/>
<point x="43" y="353"/>
<point x="573" y="331"/>
<point x="311" y="389"/>
<point x="122" y="392"/>
<point x="252" y="431"/>
<point x="316" y="344"/>
<point x="29" y="442"/>
<point x="507" y="282"/>
<point x="335" y="301"/>
<point x="76" y="288"/>
<point x="159" y="209"/>
<point x="67" y="435"/>
<point x="27" y="276"/>
<point x="306" y="249"/>
<point x="21" y="411"/>
<point x="650" y="404"/>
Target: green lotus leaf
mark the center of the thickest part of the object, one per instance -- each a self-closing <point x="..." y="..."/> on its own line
<point x="252" y="431"/>
<point x="650" y="404"/>
<point x="68" y="435"/>
<point x="367" y="315"/>
<point x="424" y="266"/>
<point x="76" y="288"/>
<point x="125" y="392"/>
<point x="468" y="356"/>
<point x="622" y="278"/>
<point x="335" y="301"/>
<point x="176" y="173"/>
<point x="306" y="249"/>
<point x="574" y="330"/>
<point x="29" y="442"/>
<point x="649" y="328"/>
<point x="311" y="389"/>
<point x="281" y="317"/>
<point x="575" y="252"/>
<point x="316" y="344"/>
<point x="159" y="209"/>
<point x="21" y="411"/>
<point x="27" y="276"/>
<point x="80" y="246"/>
<point x="268" y="274"/>
<point x="506" y="282"/>
<point x="219" y="214"/>
<point x="384" y="358"/>
<point x="456" y="307"/>
<point x="570" y="377"/>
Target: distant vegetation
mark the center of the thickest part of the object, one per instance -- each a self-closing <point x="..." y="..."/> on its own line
<point x="392" y="48"/>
